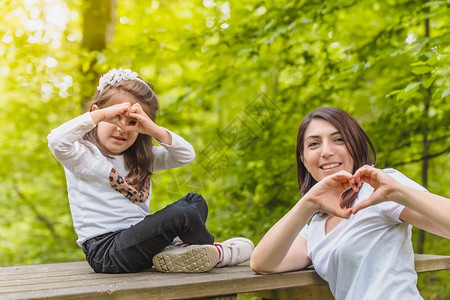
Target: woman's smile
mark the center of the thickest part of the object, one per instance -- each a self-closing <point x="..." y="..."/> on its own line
<point x="330" y="166"/>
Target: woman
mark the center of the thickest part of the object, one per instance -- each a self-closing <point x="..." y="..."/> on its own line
<point x="367" y="255"/>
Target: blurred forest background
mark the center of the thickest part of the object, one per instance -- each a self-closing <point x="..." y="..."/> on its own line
<point x="235" y="78"/>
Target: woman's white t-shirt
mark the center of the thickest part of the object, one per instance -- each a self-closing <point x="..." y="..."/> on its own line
<point x="369" y="255"/>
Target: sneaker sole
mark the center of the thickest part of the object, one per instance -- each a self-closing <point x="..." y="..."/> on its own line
<point x="199" y="259"/>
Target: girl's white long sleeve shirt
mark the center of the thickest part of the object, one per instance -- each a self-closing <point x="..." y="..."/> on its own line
<point x="96" y="207"/>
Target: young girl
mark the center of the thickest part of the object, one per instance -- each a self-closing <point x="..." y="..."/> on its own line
<point x="108" y="159"/>
<point x="359" y="237"/>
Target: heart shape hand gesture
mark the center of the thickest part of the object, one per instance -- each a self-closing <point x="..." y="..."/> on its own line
<point x="384" y="186"/>
<point x="327" y="194"/>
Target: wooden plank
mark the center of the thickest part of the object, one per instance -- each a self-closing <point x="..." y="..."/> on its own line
<point x="151" y="284"/>
<point x="97" y="280"/>
<point x="44" y="267"/>
<point x="429" y="262"/>
<point x="92" y="278"/>
<point x="77" y="280"/>
<point x="423" y="263"/>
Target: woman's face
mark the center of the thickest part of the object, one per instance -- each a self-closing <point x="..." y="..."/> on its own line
<point x="324" y="150"/>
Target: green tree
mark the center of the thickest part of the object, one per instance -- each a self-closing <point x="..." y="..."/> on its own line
<point x="233" y="77"/>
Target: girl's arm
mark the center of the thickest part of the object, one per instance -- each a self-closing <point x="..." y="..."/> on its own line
<point x="179" y="153"/>
<point x="282" y="248"/>
<point x="62" y="140"/>
<point x="424" y="210"/>
<point x="175" y="151"/>
<point x="145" y="125"/>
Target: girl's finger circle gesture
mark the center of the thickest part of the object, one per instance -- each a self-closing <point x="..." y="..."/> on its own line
<point x="143" y="124"/>
<point x="111" y="114"/>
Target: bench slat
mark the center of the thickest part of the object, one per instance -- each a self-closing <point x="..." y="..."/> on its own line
<point x="77" y="280"/>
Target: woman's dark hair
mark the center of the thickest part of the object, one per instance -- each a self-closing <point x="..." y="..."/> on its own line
<point x="355" y="139"/>
<point x="139" y="157"/>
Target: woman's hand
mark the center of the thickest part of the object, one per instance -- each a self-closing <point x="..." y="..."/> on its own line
<point x="423" y="210"/>
<point x="326" y="194"/>
<point x="384" y="186"/>
<point x="282" y="248"/>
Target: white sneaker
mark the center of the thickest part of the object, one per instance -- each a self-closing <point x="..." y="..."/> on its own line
<point x="235" y="251"/>
<point x="186" y="258"/>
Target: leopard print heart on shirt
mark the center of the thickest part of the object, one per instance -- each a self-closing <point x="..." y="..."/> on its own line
<point x="124" y="187"/>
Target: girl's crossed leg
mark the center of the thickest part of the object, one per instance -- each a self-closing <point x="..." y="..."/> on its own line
<point x="132" y="249"/>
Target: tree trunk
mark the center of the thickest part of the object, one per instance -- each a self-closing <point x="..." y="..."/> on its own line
<point x="99" y="18"/>
<point x="426" y="146"/>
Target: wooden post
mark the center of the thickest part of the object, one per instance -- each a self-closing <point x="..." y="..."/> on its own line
<point x="311" y="292"/>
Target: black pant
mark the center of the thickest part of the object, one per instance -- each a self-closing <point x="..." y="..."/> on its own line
<point x="132" y="249"/>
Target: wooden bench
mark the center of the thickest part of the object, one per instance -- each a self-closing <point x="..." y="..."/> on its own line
<point x="75" y="280"/>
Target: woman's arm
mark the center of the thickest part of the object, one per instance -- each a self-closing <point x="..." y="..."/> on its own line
<point x="424" y="210"/>
<point x="282" y="249"/>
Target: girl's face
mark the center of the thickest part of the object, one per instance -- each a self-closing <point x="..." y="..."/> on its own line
<point x="324" y="150"/>
<point x="114" y="139"/>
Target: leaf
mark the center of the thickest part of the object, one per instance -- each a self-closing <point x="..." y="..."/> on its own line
<point x="269" y="25"/>
<point x="419" y="63"/>
<point x="85" y="66"/>
<point x="101" y="58"/>
<point x="421" y="70"/>
<point x="434" y="3"/>
<point x="432" y="60"/>
<point x="401" y="95"/>
<point x="412" y="86"/>
<point x="394" y="92"/>
<point x="427" y="83"/>
<point x="445" y="93"/>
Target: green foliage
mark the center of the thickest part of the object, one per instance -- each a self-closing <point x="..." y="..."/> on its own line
<point x="235" y="78"/>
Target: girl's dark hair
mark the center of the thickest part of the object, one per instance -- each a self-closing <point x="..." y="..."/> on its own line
<point x="355" y="139"/>
<point x="139" y="157"/>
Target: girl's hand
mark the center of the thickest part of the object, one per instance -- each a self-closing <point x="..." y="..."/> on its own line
<point x="383" y="184"/>
<point x="110" y="114"/>
<point x="326" y="194"/>
<point x="145" y="125"/>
